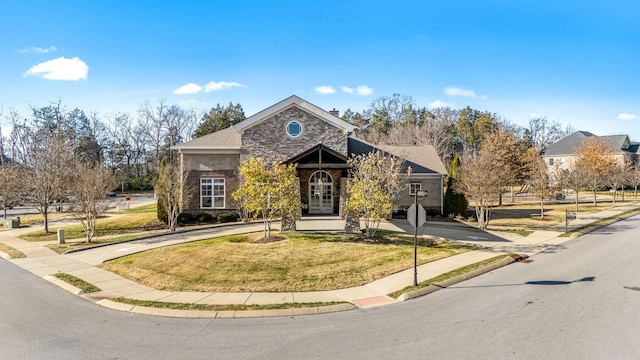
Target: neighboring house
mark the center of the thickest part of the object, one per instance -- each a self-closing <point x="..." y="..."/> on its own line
<point x="320" y="143"/>
<point x="560" y="155"/>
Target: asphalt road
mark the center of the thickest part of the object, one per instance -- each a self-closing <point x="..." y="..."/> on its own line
<point x="135" y="200"/>
<point x="580" y="300"/>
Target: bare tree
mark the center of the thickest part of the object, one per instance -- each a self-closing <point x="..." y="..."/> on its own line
<point x="573" y="178"/>
<point x="11" y="186"/>
<point x="506" y="157"/>
<point x="634" y="178"/>
<point x="541" y="132"/>
<point x="436" y="128"/>
<point x="171" y="190"/>
<point x="89" y="187"/>
<point x="617" y="178"/>
<point x="538" y="180"/>
<point x="481" y="183"/>
<point x="47" y="173"/>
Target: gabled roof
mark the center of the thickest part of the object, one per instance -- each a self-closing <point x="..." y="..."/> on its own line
<point x="423" y="159"/>
<point x="421" y="155"/>
<point x="618" y="142"/>
<point x="287" y="103"/>
<point x="315" y="149"/>
<point x="227" y="138"/>
<point x="569" y="144"/>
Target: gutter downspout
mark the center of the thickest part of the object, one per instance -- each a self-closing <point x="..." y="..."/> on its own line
<point x="441" y="194"/>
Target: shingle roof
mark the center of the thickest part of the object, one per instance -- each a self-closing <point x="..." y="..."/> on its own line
<point x="227" y="138"/>
<point x="423" y="159"/>
<point x="423" y="155"/>
<point x="567" y="145"/>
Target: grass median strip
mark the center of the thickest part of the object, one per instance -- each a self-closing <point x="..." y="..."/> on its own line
<point x="212" y="307"/>
<point x="77" y="282"/>
<point x="13" y="252"/>
<point x="602" y="221"/>
<point x="449" y="275"/>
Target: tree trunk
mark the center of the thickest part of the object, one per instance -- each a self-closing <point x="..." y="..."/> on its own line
<point x="541" y="208"/>
<point x="595" y="203"/>
<point x="576" y="201"/>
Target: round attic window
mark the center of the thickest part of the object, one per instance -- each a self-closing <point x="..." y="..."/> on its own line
<point x="294" y="128"/>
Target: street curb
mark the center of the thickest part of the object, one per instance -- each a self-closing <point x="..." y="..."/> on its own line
<point x="4" y="255"/>
<point x="64" y="285"/>
<point x="180" y="313"/>
<point x="228" y="314"/>
<point x="446" y="283"/>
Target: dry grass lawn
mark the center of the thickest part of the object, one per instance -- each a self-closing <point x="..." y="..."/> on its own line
<point x="526" y="214"/>
<point x="123" y="223"/>
<point x="300" y="262"/>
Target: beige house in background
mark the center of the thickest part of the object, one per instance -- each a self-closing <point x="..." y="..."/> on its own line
<point x="318" y="141"/>
<point x="560" y="155"/>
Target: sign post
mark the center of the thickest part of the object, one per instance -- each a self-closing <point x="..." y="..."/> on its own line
<point x="417" y="216"/>
<point x="568" y="216"/>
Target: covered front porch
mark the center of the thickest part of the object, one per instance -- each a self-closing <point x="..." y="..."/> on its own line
<point x="322" y="173"/>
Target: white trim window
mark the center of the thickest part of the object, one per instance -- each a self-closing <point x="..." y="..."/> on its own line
<point x="212" y="193"/>
<point x="294" y="128"/>
<point x="414" y="187"/>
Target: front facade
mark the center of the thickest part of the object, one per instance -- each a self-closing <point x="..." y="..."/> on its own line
<point x="320" y="143"/>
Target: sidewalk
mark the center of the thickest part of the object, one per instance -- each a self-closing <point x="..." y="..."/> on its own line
<point x="43" y="262"/>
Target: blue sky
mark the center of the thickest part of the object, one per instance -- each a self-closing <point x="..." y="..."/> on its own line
<point x="575" y="62"/>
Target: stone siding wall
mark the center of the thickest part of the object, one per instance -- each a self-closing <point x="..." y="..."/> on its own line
<point x="432" y="200"/>
<point x="269" y="140"/>
<point x="193" y="181"/>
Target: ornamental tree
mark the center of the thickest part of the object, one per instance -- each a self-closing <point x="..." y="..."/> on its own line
<point x="269" y="190"/>
<point x="376" y="181"/>
<point x="595" y="158"/>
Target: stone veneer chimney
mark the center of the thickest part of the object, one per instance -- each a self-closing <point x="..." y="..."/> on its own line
<point x="334" y="112"/>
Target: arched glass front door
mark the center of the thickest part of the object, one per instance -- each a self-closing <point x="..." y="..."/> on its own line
<point x="320" y="193"/>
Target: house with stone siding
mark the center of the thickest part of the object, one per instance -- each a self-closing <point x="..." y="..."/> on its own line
<point x="318" y="141"/>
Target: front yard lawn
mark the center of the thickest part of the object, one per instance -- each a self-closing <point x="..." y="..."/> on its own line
<point x="298" y="262"/>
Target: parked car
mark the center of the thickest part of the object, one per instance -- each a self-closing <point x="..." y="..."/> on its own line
<point x="111" y="194"/>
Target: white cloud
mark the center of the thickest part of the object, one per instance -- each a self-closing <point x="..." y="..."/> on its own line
<point x="347" y="89"/>
<point x="453" y="91"/>
<point x="627" y="116"/>
<point x="60" y="69"/>
<point x="324" y="90"/>
<point x="187" y="89"/>
<point x="37" y="50"/>
<point x="221" y="85"/>
<point x="437" y="104"/>
<point x="364" y="90"/>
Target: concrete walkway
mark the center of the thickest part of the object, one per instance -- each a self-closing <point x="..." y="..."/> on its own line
<point x="43" y="262"/>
